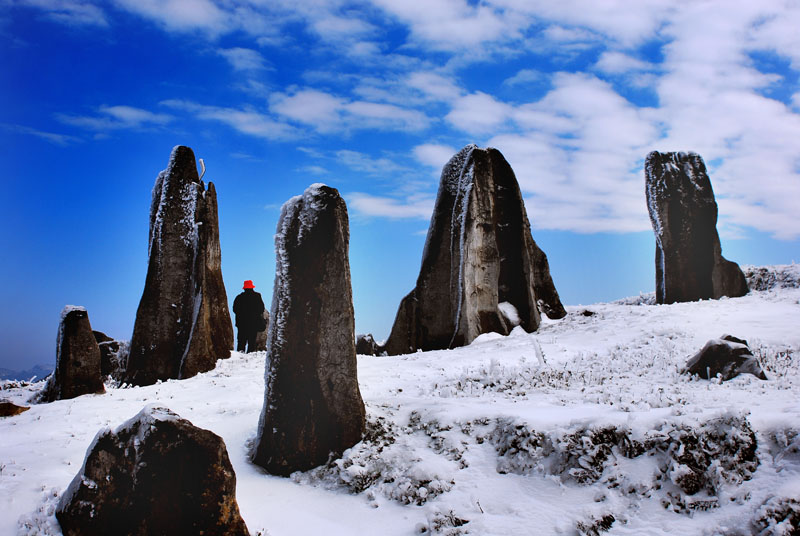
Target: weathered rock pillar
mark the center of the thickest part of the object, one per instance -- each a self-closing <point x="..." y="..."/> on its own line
<point x="183" y="324"/>
<point x="479" y="254"/>
<point x="312" y="405"/>
<point x="78" y="370"/>
<point x="683" y="211"/>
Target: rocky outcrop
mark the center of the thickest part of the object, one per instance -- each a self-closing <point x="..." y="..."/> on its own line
<point x="77" y="369"/>
<point x="156" y="474"/>
<point x="113" y="355"/>
<point x="312" y="405"/>
<point x="366" y="345"/>
<point x="479" y="253"/>
<point x="183" y="324"/>
<point x="727" y="357"/>
<point x="683" y="211"/>
<point x="9" y="409"/>
<point x="261" y="336"/>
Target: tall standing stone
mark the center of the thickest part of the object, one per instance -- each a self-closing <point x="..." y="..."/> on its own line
<point x="78" y="369"/>
<point x="478" y="255"/>
<point x="183" y="324"/>
<point x="312" y="404"/>
<point x="683" y="211"/>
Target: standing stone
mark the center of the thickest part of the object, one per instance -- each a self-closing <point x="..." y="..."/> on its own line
<point x="77" y="369"/>
<point x="683" y="211"/>
<point x="156" y="474"/>
<point x="312" y="405"/>
<point x="478" y="255"/>
<point x="261" y="336"/>
<point x="183" y="324"/>
<point x="113" y="354"/>
<point x="366" y="345"/>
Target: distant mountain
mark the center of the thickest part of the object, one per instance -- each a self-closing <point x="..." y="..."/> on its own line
<point x="38" y="372"/>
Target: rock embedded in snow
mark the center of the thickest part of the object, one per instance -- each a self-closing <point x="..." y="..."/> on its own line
<point x="727" y="357"/>
<point x="156" y="474"/>
<point x="479" y="253"/>
<point x="312" y="405"/>
<point x="9" y="409"/>
<point x="78" y="369"/>
<point x="683" y="211"/>
<point x="113" y="354"/>
<point x="261" y="336"/>
<point x="366" y="345"/>
<point x="183" y="324"/>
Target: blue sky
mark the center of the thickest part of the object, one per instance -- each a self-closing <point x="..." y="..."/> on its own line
<point x="373" y="97"/>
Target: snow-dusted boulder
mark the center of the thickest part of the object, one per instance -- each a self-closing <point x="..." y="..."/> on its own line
<point x="183" y="324"/>
<point x="683" y="211"/>
<point x="78" y="369"/>
<point x="479" y="253"/>
<point x="727" y="357"/>
<point x="156" y="474"/>
<point x="113" y="355"/>
<point x="366" y="345"/>
<point x="312" y="404"/>
<point x="261" y="336"/>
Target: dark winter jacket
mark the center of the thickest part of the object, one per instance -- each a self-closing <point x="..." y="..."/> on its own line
<point x="248" y="308"/>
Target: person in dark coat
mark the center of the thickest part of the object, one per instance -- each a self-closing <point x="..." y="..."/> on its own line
<point x="249" y="310"/>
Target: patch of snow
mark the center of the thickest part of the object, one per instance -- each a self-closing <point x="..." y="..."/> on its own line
<point x="509" y="312"/>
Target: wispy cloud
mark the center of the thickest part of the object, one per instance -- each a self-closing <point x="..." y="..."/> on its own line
<point x="364" y="163"/>
<point x="52" y="137"/>
<point x="417" y="207"/>
<point x="327" y="113"/>
<point x="70" y="12"/>
<point x="243" y="59"/>
<point x="116" y="118"/>
<point x="182" y="15"/>
<point x="245" y="120"/>
<point x="433" y="154"/>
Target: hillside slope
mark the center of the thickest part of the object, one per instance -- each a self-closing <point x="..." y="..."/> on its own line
<point x="583" y="426"/>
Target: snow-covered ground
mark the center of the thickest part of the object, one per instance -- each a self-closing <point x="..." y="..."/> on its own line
<point x="598" y="430"/>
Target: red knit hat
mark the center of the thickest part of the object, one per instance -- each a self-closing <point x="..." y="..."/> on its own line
<point x="248" y="284"/>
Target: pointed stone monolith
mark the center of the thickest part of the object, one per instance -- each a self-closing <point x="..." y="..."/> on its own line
<point x="312" y="404"/>
<point x="683" y="211"/>
<point x="183" y="324"/>
<point x="78" y="369"/>
<point x="479" y="255"/>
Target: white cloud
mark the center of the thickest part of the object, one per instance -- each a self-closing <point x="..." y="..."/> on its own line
<point x="309" y="106"/>
<point x="117" y="118"/>
<point x="328" y="113"/>
<point x="243" y="59"/>
<point x="435" y="86"/>
<point x="366" y="164"/>
<point x="613" y="62"/>
<point x="70" y="12"/>
<point x="58" y="139"/>
<point x="244" y="120"/>
<point x="433" y="154"/>
<point x="415" y="207"/>
<point x="525" y="77"/>
<point x="478" y="113"/>
<point x="453" y="24"/>
<point x="181" y="15"/>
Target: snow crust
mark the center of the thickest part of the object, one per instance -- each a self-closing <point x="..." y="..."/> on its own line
<point x="585" y="423"/>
